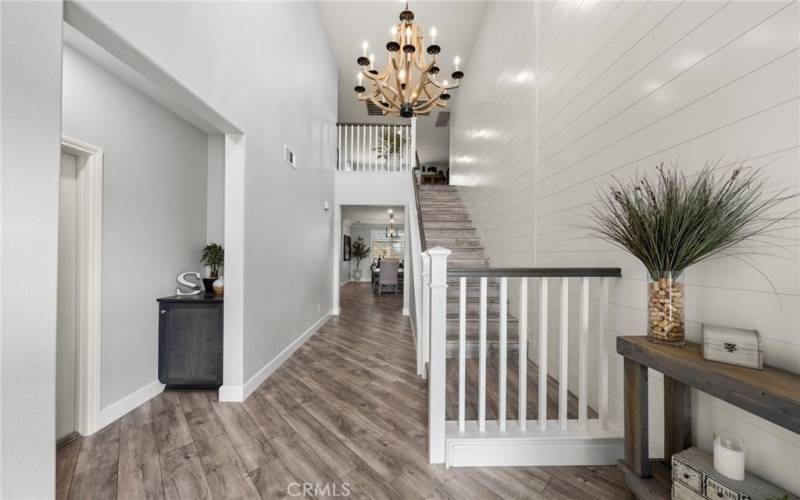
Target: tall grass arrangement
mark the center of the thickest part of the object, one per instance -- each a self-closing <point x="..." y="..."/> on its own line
<point x="670" y="221"/>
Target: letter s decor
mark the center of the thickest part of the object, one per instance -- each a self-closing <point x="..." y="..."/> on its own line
<point x="194" y="287"/>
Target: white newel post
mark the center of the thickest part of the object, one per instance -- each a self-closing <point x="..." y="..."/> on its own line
<point x="426" y="312"/>
<point x="438" y="353"/>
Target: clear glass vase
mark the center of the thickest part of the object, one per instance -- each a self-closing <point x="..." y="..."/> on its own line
<point x="666" y="311"/>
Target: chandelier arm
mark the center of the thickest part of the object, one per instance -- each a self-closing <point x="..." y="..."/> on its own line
<point x="423" y="79"/>
<point x="387" y="92"/>
<point x="431" y="102"/>
<point x="397" y="81"/>
<point x="444" y="87"/>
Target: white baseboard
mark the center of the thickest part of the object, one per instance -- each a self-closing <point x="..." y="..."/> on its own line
<point x="118" y="409"/>
<point x="335" y="311"/>
<point x="406" y="312"/>
<point x="493" y="448"/>
<point x="238" y="393"/>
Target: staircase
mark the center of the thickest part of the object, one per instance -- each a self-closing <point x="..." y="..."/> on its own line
<point x="447" y="224"/>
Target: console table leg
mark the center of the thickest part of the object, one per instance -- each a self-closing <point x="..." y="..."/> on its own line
<point x="677" y="418"/>
<point x="636" y="421"/>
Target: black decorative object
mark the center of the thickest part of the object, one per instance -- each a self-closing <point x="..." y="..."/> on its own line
<point x="363" y="61"/>
<point x="457" y="75"/>
<point x="445" y="97"/>
<point x="434" y="70"/>
<point x="434" y="49"/>
<point x="406" y="111"/>
<point x="346" y="247"/>
<point x="392" y="46"/>
<point x="409" y="49"/>
<point x="406" y="15"/>
<point x="359" y="89"/>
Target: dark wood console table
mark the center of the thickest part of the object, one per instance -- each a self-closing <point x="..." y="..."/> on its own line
<point x="190" y="331"/>
<point x="771" y="393"/>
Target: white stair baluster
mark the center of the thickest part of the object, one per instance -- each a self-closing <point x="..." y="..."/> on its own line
<point x="583" y="353"/>
<point x="438" y="377"/>
<point x="462" y="352"/>
<point x="543" y="354"/>
<point x="339" y="148"/>
<point x="501" y="410"/>
<point x="482" y="360"/>
<point x="563" y="368"/>
<point x="523" y="354"/>
<point x="426" y="313"/>
<point x="603" y="355"/>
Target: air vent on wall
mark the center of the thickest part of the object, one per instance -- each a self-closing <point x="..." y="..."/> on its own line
<point x="373" y="110"/>
<point x="443" y="119"/>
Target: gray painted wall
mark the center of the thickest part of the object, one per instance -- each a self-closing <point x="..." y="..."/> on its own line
<point x="228" y="58"/>
<point x="30" y="107"/>
<point x="154" y="212"/>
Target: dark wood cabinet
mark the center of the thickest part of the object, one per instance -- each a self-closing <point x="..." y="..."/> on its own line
<point x="190" y="341"/>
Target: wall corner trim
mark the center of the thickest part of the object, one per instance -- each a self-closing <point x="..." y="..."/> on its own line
<point x="406" y="312"/>
<point x="121" y="407"/>
<point x="239" y="393"/>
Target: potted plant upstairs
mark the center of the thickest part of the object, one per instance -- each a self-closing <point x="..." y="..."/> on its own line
<point x="213" y="257"/>
<point x="670" y="221"/>
<point x="359" y="252"/>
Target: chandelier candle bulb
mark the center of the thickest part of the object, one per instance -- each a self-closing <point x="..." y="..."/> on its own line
<point x="456" y="62"/>
<point x="433" y="35"/>
<point x="364" y="47"/>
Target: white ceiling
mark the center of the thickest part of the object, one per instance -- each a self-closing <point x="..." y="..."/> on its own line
<point x="371" y="214"/>
<point x="350" y="23"/>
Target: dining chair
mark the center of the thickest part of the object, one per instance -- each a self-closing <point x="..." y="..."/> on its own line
<point x="388" y="275"/>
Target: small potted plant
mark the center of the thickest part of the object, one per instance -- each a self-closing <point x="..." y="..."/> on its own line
<point x="670" y="221"/>
<point x="213" y="257"/>
<point x="360" y="252"/>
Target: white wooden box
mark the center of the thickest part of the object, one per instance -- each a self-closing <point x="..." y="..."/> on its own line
<point x="694" y="478"/>
<point x="733" y="346"/>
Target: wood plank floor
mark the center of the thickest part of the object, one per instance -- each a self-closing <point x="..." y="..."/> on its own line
<point x="346" y="411"/>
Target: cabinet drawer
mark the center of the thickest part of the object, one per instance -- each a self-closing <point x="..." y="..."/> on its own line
<point x="681" y="492"/>
<point x="715" y="489"/>
<point x="687" y="475"/>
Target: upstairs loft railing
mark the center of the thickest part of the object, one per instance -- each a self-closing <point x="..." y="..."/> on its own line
<point x="370" y="147"/>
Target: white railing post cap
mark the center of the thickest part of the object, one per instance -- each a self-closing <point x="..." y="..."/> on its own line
<point x="438" y="251"/>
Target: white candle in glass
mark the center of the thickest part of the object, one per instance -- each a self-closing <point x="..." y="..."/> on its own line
<point x="729" y="455"/>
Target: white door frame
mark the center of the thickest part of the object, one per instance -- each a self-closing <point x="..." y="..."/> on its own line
<point x="89" y="273"/>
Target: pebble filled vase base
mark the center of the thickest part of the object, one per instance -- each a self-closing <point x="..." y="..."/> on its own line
<point x="666" y="312"/>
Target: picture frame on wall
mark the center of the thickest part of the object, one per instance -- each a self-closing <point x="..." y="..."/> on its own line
<point x="346" y="248"/>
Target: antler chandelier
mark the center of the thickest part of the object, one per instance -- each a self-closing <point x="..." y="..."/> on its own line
<point x="408" y="86"/>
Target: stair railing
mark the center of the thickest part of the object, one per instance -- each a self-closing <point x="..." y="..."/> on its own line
<point x="444" y="435"/>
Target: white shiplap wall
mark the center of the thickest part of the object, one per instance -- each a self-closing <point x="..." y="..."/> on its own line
<point x="492" y="130"/>
<point x="620" y="87"/>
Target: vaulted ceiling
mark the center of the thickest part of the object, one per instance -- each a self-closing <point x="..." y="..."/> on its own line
<point x="350" y="23"/>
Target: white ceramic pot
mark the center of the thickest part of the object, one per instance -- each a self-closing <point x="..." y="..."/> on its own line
<point x="219" y="286"/>
<point x="357" y="275"/>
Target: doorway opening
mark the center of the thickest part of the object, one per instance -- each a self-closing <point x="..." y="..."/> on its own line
<point x="79" y="286"/>
<point x="373" y="255"/>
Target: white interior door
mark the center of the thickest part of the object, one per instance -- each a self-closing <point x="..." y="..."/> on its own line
<point x="66" y="340"/>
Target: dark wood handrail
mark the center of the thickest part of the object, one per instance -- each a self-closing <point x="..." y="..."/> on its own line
<point x="535" y="272"/>
<point x="423" y="243"/>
